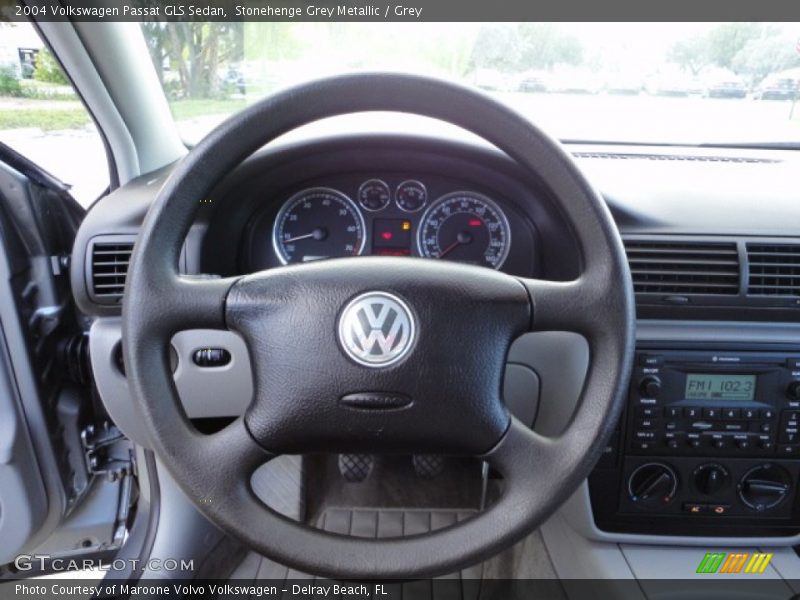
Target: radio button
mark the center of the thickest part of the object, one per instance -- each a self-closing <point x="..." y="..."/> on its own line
<point x="702" y="425"/>
<point x="719" y="443"/>
<point x="691" y="412"/>
<point x="694" y="440"/>
<point x="645" y="435"/>
<point x="767" y="413"/>
<point x="789" y="437"/>
<point x="646" y="423"/>
<point x="734" y="426"/>
<point x="646" y="411"/>
<point x="743" y="444"/>
<point x="650" y="360"/>
<point x="694" y="508"/>
<point x="749" y="413"/>
<point x="765" y="427"/>
<point x="672" y="444"/>
<point x="711" y="413"/>
<point x="789" y="450"/>
<point x="765" y="442"/>
<point x="719" y="509"/>
<point x="672" y="411"/>
<point x="650" y="386"/>
<point x="732" y="413"/>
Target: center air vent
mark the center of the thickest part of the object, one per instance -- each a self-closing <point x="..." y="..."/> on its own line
<point x="774" y="269"/>
<point x="110" y="256"/>
<point x="683" y="268"/>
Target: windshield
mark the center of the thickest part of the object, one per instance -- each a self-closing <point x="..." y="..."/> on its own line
<point x="686" y="83"/>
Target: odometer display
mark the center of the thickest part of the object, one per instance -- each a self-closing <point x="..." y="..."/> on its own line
<point x="318" y="223"/>
<point x="465" y="227"/>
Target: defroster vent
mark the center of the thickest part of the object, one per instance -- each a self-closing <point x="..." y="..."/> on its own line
<point x="683" y="267"/>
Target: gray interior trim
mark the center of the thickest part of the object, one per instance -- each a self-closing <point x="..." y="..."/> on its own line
<point x="182" y="534"/>
<point x="67" y="45"/>
<point x="213" y="391"/>
<point x="560" y="359"/>
<point x="576" y="557"/>
<point x="102" y="59"/>
<point x="577" y="511"/>
<point x="206" y="392"/>
<point x="722" y="332"/>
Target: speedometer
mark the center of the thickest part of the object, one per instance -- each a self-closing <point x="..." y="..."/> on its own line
<point x="465" y="227"/>
<point x="318" y="223"/>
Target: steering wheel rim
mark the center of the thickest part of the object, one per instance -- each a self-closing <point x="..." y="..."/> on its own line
<point x="214" y="470"/>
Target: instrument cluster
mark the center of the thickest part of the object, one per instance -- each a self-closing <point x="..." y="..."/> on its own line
<point x="398" y="216"/>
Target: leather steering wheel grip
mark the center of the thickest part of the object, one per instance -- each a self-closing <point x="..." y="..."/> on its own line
<point x="214" y="470"/>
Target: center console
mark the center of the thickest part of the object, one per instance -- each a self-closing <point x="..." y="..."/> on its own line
<point x="708" y="445"/>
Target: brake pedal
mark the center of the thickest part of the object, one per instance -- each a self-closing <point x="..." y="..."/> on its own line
<point x="356" y="467"/>
<point x="428" y="466"/>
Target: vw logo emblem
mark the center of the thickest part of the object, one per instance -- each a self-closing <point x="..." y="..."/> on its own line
<point x="376" y="329"/>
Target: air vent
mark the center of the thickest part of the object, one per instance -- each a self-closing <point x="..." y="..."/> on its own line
<point x="110" y="257"/>
<point x="774" y="269"/>
<point x="683" y="268"/>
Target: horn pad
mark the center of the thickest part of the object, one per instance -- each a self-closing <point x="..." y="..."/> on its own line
<point x="420" y="345"/>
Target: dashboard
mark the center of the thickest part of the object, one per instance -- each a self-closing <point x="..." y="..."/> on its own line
<point x="714" y="275"/>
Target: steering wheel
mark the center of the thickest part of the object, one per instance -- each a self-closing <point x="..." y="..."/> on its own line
<point x="377" y="354"/>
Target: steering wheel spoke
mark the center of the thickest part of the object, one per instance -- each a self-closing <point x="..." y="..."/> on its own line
<point x="521" y="452"/>
<point x="192" y="302"/>
<point x="565" y="305"/>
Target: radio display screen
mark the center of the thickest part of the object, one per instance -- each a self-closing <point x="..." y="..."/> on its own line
<point x="717" y="386"/>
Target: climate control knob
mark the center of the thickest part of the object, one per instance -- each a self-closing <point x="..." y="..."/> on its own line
<point x="764" y="487"/>
<point x="652" y="485"/>
<point x="710" y="478"/>
<point x="650" y="386"/>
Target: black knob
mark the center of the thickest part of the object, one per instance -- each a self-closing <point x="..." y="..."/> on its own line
<point x="793" y="390"/>
<point x="652" y="485"/>
<point x="710" y="478"/>
<point x="650" y="386"/>
<point x="764" y="487"/>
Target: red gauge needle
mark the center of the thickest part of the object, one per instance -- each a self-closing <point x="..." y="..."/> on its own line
<point x="462" y="238"/>
<point x="449" y="249"/>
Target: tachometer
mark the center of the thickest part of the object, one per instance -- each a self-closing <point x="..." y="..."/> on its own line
<point x="465" y="227"/>
<point x="318" y="223"/>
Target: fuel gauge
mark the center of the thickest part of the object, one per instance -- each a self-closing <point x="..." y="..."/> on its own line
<point x="374" y="194"/>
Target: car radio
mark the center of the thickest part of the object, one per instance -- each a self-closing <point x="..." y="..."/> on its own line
<point x="709" y="439"/>
<point x="685" y="403"/>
